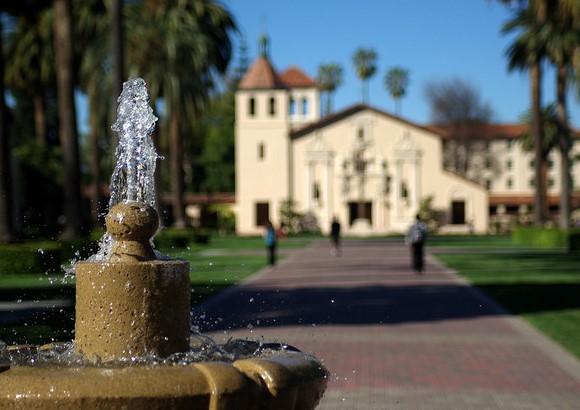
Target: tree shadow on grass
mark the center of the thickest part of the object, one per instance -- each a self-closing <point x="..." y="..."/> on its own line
<point x="524" y="298"/>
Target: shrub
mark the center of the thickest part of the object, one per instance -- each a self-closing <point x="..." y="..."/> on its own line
<point x="181" y="238"/>
<point x="547" y="238"/>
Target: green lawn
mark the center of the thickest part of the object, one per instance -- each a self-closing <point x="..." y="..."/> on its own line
<point x="222" y="263"/>
<point x="541" y="287"/>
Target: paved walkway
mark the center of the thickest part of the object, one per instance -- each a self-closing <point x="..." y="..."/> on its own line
<point x="394" y="340"/>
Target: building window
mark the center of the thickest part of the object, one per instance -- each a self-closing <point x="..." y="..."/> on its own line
<point x="252" y="107"/>
<point x="360" y="135"/>
<point x="304" y="106"/>
<point x="292" y="106"/>
<point x="508" y="164"/>
<point x="551" y="183"/>
<point x="510" y="144"/>
<point x="488" y="184"/>
<point x="316" y="191"/>
<point x="532" y="182"/>
<point x="550" y="163"/>
<point x="261" y="151"/>
<point x="404" y="190"/>
<point x="532" y="163"/>
<point x="488" y="163"/>
<point x="509" y="183"/>
<point x="272" y="106"/>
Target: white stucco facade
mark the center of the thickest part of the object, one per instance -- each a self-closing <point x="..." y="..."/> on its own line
<point x="362" y="165"/>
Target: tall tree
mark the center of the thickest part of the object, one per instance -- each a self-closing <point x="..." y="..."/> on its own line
<point x="396" y="83"/>
<point x="30" y="63"/>
<point x="527" y="52"/>
<point x="6" y="233"/>
<point x="117" y="44"/>
<point x="563" y="42"/>
<point x="550" y="138"/>
<point x="365" y="63"/>
<point x="457" y="106"/>
<point x="179" y="46"/>
<point x="329" y="78"/>
<point x="91" y="30"/>
<point x="63" y="47"/>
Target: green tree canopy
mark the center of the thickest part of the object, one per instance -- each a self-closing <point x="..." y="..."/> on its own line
<point x="365" y="63"/>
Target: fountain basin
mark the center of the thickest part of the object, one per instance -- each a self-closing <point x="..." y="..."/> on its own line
<point x="291" y="380"/>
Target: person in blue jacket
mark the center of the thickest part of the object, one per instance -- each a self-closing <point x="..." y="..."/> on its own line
<point x="270" y="242"/>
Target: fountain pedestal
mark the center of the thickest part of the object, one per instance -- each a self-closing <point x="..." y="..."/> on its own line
<point x="133" y="307"/>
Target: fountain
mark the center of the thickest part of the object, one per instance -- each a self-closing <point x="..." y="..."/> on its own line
<point x="133" y="347"/>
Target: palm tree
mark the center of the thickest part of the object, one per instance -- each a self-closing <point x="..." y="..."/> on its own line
<point x="364" y="61"/>
<point x="550" y="137"/>
<point x="527" y="52"/>
<point x="178" y="47"/>
<point x="329" y="79"/>
<point x="116" y="12"/>
<point x="91" y="30"/>
<point x="564" y="40"/>
<point x="63" y="48"/>
<point x="6" y="234"/>
<point x="396" y="83"/>
<point x="30" y="63"/>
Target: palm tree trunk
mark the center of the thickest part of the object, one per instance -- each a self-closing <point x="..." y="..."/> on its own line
<point x="117" y="44"/>
<point x="176" y="155"/>
<point x="40" y="117"/>
<point x="537" y="131"/>
<point x="6" y="232"/>
<point x="564" y="145"/>
<point x="96" y="197"/>
<point x="63" y="38"/>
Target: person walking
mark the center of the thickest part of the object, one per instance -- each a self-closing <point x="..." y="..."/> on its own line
<point x="415" y="239"/>
<point x="335" y="237"/>
<point x="270" y="242"/>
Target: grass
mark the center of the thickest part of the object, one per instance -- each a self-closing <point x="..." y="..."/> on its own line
<point x="216" y="266"/>
<point x="541" y="287"/>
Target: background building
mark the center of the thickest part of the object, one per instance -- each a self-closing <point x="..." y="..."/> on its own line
<point x="367" y="167"/>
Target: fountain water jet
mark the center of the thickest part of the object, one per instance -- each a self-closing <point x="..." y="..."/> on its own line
<point x="132" y="307"/>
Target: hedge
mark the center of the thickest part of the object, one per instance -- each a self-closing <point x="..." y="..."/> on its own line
<point x="547" y="238"/>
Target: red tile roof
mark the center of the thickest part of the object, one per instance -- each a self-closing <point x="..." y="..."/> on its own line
<point x="296" y="78"/>
<point x="261" y="75"/>
<point x="489" y="131"/>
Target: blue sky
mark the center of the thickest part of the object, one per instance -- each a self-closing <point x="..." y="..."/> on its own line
<point x="433" y="39"/>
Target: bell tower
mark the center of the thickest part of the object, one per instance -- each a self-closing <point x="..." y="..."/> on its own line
<point x="268" y="106"/>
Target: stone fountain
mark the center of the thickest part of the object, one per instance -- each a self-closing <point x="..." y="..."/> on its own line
<point x="133" y="347"/>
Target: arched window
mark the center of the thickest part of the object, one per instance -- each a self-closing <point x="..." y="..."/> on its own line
<point x="252" y="106"/>
<point x="304" y="106"/>
<point x="292" y="106"/>
<point x="272" y="106"/>
<point x="316" y="191"/>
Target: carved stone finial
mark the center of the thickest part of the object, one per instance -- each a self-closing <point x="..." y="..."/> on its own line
<point x="131" y="225"/>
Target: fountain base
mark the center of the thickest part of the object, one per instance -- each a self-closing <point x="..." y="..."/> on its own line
<point x="288" y="381"/>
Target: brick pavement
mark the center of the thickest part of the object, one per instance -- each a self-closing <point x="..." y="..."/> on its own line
<point x="392" y="339"/>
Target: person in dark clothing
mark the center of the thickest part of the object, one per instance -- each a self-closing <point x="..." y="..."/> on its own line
<point x="415" y="239"/>
<point x="335" y="237"/>
<point x="270" y="242"/>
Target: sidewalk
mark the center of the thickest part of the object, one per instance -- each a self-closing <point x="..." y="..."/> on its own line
<point x="394" y="340"/>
